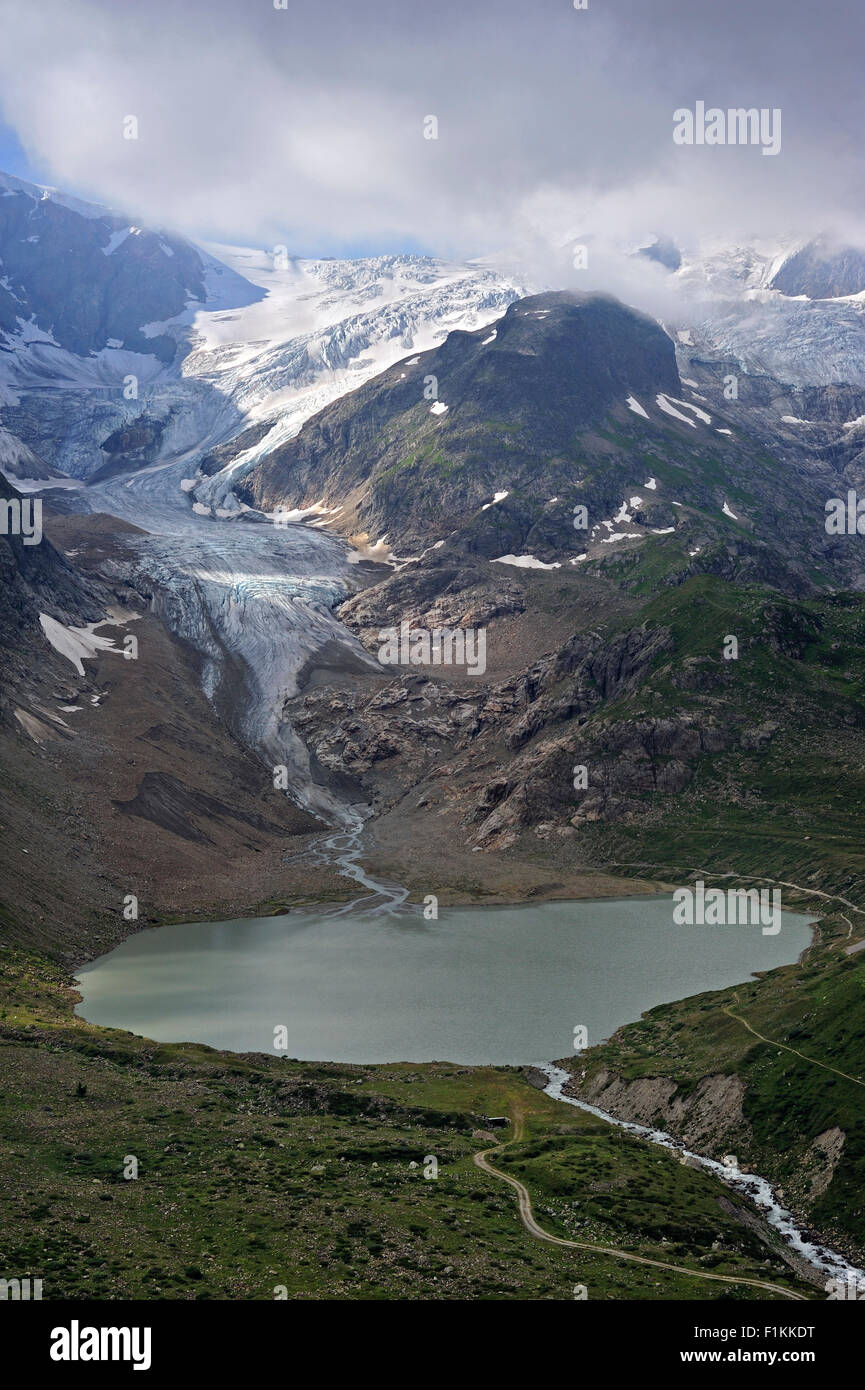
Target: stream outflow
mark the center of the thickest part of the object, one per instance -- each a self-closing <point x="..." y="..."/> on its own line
<point x="759" y="1190"/>
<point x="343" y="848"/>
<point x="295" y="580"/>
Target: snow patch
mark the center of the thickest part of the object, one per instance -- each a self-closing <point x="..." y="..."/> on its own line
<point x="377" y="551"/>
<point x="623" y="514"/>
<point x="633" y="404"/>
<point x="117" y="239"/>
<point x="283" y="514"/>
<point x="77" y="644"/>
<point x="671" y="410"/>
<point x="44" y="484"/>
<point x="499" y="497"/>
<point x="526" y="562"/>
<point x="700" y="414"/>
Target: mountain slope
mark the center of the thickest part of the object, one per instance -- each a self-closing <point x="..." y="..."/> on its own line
<point x="824" y="269"/>
<point x="123" y="346"/>
<point x="434" y="438"/>
<point x="571" y="402"/>
<point x="85" y="280"/>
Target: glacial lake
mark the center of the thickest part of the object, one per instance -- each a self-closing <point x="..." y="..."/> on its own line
<point x="499" y="985"/>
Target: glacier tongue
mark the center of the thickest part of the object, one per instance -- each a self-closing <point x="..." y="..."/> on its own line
<point x="255" y="601"/>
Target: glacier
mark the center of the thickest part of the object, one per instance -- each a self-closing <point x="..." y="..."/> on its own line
<point x="275" y="339"/>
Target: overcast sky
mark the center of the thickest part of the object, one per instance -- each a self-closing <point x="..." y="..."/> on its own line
<point x="305" y="126"/>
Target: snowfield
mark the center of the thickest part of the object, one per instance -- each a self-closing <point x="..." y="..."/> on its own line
<point x="277" y="339"/>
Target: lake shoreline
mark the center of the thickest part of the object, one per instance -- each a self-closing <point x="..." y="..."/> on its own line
<point x="482" y="986"/>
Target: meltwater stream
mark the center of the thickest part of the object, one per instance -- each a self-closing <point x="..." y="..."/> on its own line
<point x="343" y="848"/>
<point x="372" y="981"/>
<point x="482" y="984"/>
<point x="835" y="1267"/>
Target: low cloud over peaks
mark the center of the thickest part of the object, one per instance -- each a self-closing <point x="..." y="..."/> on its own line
<point x="306" y="126"/>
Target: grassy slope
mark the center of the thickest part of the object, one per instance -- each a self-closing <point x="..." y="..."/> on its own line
<point x="792" y="810"/>
<point x="228" y="1204"/>
<point x="816" y="1008"/>
<point x="793" y="807"/>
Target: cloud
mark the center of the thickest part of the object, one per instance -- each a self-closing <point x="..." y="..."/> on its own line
<point x="305" y="126"/>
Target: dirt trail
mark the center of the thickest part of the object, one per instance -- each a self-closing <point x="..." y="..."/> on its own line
<point x="528" y="1219"/>
<point x="760" y="878"/>
<point x="813" y="1062"/>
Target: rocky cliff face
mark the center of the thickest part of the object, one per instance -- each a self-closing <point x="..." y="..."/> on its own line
<point x="37" y="578"/>
<point x="509" y="748"/>
<point x="85" y="279"/>
<point x="428" y="444"/>
<point x="822" y="270"/>
<point x="708" y="1117"/>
